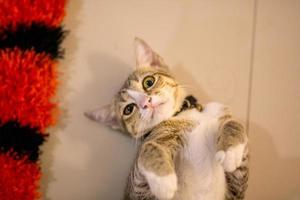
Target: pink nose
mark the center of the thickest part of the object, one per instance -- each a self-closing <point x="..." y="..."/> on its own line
<point x="146" y="102"/>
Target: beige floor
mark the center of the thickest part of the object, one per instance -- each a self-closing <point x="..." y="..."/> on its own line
<point x="245" y="54"/>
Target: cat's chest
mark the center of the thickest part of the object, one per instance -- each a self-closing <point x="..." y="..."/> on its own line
<point x="199" y="150"/>
<point x="201" y="139"/>
<point x="198" y="172"/>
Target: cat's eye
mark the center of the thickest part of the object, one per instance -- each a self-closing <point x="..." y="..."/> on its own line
<point x="148" y="82"/>
<point x="129" y="109"/>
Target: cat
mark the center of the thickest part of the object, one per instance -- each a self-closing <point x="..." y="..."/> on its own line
<point x="187" y="152"/>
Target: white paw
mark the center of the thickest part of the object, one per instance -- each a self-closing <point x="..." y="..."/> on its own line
<point x="163" y="187"/>
<point x="232" y="158"/>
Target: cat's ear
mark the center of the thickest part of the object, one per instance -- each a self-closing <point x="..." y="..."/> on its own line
<point x="145" y="56"/>
<point x="104" y="115"/>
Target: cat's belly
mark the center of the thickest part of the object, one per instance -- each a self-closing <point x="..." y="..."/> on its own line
<point x="200" y="177"/>
<point x="194" y="184"/>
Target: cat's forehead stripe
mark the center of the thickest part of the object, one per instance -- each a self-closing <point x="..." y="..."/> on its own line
<point x="123" y="95"/>
<point x="133" y="77"/>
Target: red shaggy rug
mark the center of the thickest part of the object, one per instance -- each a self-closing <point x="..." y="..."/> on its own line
<point x="30" y="38"/>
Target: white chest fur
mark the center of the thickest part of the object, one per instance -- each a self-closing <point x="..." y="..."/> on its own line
<point x="200" y="177"/>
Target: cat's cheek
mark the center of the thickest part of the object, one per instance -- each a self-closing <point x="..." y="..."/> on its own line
<point x="167" y="110"/>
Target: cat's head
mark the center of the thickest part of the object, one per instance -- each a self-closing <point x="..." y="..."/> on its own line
<point x="149" y="96"/>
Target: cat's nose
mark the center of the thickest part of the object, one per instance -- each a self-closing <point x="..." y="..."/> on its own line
<point x="146" y="102"/>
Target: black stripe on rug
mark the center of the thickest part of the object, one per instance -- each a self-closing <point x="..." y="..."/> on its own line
<point x="36" y="36"/>
<point x="22" y="140"/>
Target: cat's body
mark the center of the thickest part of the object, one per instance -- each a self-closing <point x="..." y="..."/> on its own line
<point x="200" y="175"/>
<point x="194" y="154"/>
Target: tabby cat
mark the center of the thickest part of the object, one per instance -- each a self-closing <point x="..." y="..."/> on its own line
<point x="187" y="152"/>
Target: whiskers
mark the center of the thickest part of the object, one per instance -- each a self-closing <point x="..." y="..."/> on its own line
<point x="137" y="143"/>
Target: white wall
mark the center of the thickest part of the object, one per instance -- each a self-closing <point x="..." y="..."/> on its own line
<point x="208" y="44"/>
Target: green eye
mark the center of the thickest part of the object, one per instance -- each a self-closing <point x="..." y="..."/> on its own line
<point x="128" y="109"/>
<point x="148" y="82"/>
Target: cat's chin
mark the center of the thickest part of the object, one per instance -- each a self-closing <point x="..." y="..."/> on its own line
<point x="148" y="129"/>
<point x="161" y="112"/>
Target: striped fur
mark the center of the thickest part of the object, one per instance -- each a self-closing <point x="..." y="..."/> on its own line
<point x="166" y="139"/>
<point x="237" y="181"/>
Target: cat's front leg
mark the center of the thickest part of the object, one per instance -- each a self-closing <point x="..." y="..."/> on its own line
<point x="231" y="144"/>
<point x="156" y="164"/>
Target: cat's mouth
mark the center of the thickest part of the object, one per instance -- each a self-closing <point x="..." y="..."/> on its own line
<point x="155" y="108"/>
<point x="156" y="105"/>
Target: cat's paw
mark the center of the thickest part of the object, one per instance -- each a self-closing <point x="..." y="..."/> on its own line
<point x="163" y="187"/>
<point x="231" y="158"/>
